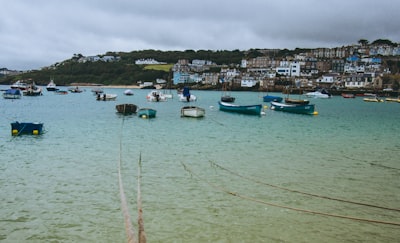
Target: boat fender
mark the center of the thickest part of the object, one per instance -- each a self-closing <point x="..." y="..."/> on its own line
<point x="14" y="132"/>
<point x="35" y="132"/>
<point x="315" y="113"/>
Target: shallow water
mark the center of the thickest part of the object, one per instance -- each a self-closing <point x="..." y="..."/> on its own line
<point x="203" y="180"/>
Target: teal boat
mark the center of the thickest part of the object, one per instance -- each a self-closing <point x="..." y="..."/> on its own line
<point x="308" y="109"/>
<point x="244" y="109"/>
<point x="33" y="128"/>
<point x="146" y="113"/>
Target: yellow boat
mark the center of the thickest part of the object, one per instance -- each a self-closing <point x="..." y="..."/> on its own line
<point x="374" y="99"/>
<point x="393" y="100"/>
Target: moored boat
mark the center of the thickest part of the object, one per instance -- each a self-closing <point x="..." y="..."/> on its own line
<point x="269" y="98"/>
<point x="106" y="97"/>
<point x="186" y="95"/>
<point x="192" y="111"/>
<point x="126" y="109"/>
<point x="51" y="86"/>
<point x="147" y="113"/>
<point x="32" y="90"/>
<point x="308" y="109"/>
<point x="34" y="128"/>
<point x="244" y="109"/>
<point x="12" y="94"/>
<point x="19" y="85"/>
<point x="318" y="94"/>
<point x="296" y="101"/>
<point x="156" y="96"/>
<point x="393" y="100"/>
<point x="128" y="92"/>
<point x="373" y="99"/>
<point x="348" y="96"/>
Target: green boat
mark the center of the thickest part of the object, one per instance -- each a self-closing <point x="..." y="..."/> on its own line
<point x="244" y="109"/>
<point x="308" y="109"/>
<point x="146" y="113"/>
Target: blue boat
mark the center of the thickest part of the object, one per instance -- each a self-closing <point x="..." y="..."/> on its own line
<point x="269" y="98"/>
<point x="146" y="113"/>
<point x="308" y="109"/>
<point x="244" y="109"/>
<point x="33" y="128"/>
<point x="12" y="94"/>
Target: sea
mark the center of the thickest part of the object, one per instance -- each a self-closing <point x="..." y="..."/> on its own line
<point x="279" y="177"/>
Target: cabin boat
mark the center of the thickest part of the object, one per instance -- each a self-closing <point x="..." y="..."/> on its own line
<point x="51" y="86"/>
<point x="12" y="94"/>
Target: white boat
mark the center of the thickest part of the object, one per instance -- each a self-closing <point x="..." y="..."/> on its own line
<point x="186" y="96"/>
<point x="19" y="85"/>
<point x="51" y="86"/>
<point x="128" y="92"/>
<point x="192" y="111"/>
<point x="318" y="94"/>
<point x="106" y="97"/>
<point x="156" y="96"/>
<point x="32" y="90"/>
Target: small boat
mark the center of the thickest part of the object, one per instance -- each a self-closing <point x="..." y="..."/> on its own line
<point x="128" y="92"/>
<point x="244" y="109"/>
<point x="106" y="97"/>
<point x="19" y="85"/>
<point x="156" y="96"/>
<point x="269" y="98"/>
<point x="97" y="91"/>
<point x="33" y="128"/>
<point x="393" y="100"/>
<point x="373" y="99"/>
<point x="318" y="94"/>
<point x="146" y="113"/>
<point x="12" y="94"/>
<point x="61" y="92"/>
<point x="51" y="86"/>
<point x="296" y="101"/>
<point x="32" y="90"/>
<point x="186" y="95"/>
<point x="348" y="96"/>
<point x="228" y="99"/>
<point x="308" y="109"/>
<point x="75" y="90"/>
<point x="126" y="109"/>
<point x="192" y="111"/>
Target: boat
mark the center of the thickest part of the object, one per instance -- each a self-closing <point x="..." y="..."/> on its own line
<point x="192" y="111"/>
<point x="32" y="90"/>
<point x="61" y="92"/>
<point x="296" y="101"/>
<point x="128" y="92"/>
<point x="318" y="94"/>
<point x="146" y="113"/>
<point x="97" y="91"/>
<point x="156" y="96"/>
<point x="126" y="109"/>
<point x="106" y="97"/>
<point x="308" y="109"/>
<point x="19" y="85"/>
<point x="373" y="99"/>
<point x="12" y="94"/>
<point x="51" y="86"/>
<point x="348" y="96"/>
<point x="186" y="95"/>
<point x="269" y="98"/>
<point x="33" y="128"/>
<point x="393" y="99"/>
<point x="244" y="109"/>
<point x="226" y="97"/>
<point x="75" y="90"/>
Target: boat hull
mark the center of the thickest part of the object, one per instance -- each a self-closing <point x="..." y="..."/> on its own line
<point x="308" y="109"/>
<point x="228" y="99"/>
<point x="192" y="111"/>
<point x="243" y="109"/>
<point x="269" y="98"/>
<point x="297" y="101"/>
<point x="147" y="113"/>
<point x="34" y="128"/>
<point x="126" y="109"/>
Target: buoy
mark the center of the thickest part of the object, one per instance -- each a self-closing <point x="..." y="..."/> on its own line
<point x="265" y="107"/>
<point x="35" y="132"/>
<point x="144" y="116"/>
<point x="315" y="113"/>
<point x="14" y="132"/>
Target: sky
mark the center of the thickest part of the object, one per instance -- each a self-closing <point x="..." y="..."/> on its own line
<point x="39" y="33"/>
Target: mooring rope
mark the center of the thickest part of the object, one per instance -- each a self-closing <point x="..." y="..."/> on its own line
<point x="301" y="192"/>
<point x="142" y="234"/>
<point x="124" y="205"/>
<point x="222" y="189"/>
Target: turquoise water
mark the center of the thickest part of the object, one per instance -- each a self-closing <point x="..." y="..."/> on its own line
<point x="214" y="179"/>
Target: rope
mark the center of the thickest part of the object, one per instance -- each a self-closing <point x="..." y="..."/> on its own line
<point x="124" y="205"/>
<point x="304" y="193"/>
<point x="222" y="189"/>
<point x="142" y="234"/>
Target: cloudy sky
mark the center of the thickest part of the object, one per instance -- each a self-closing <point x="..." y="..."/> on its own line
<point x="38" y="33"/>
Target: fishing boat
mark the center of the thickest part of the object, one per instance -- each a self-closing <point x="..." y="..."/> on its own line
<point x="51" y="86"/>
<point x="186" y="96"/>
<point x="373" y="99"/>
<point x="128" y="92"/>
<point x="269" y="98"/>
<point x="126" y="109"/>
<point x="348" y="96"/>
<point x="308" y="109"/>
<point x="32" y="90"/>
<point x="34" y="128"/>
<point x="106" y="97"/>
<point x="192" y="111"/>
<point x="19" y="85"/>
<point x="244" y="109"/>
<point x="156" y="96"/>
<point x="12" y="94"/>
<point x="146" y="113"/>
